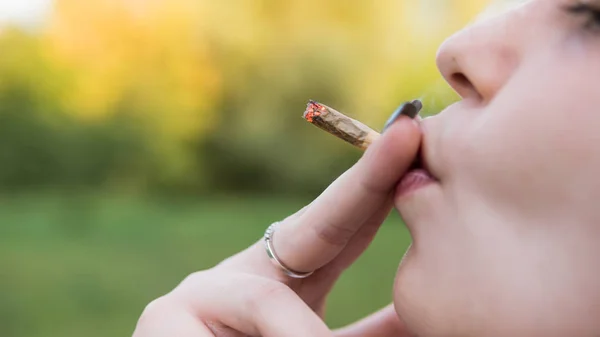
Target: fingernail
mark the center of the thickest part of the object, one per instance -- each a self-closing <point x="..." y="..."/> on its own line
<point x="418" y="104"/>
<point x="409" y="109"/>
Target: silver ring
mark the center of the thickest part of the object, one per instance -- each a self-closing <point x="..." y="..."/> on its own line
<point x="273" y="257"/>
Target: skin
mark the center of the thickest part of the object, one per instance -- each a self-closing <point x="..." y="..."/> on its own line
<point x="506" y="244"/>
<point x="505" y="240"/>
<point x="246" y="295"/>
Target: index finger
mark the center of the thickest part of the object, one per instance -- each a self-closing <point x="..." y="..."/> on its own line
<point x="312" y="239"/>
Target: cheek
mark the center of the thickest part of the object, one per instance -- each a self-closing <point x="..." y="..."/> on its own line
<point x="529" y="150"/>
<point x="527" y="159"/>
<point x="497" y="254"/>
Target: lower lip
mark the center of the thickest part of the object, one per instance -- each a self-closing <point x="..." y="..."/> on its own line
<point x="412" y="181"/>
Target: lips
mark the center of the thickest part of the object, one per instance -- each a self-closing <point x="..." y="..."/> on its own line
<point x="414" y="180"/>
<point x="417" y="176"/>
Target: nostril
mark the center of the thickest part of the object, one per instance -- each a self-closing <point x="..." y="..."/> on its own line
<point x="463" y="86"/>
<point x="462" y="81"/>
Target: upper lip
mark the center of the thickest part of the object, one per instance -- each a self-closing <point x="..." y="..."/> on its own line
<point x="421" y="161"/>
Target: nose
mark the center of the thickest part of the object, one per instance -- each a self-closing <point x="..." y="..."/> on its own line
<point x="480" y="59"/>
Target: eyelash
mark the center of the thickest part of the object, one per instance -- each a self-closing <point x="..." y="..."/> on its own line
<point x="589" y="11"/>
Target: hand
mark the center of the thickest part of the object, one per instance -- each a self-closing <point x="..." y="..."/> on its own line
<point x="247" y="295"/>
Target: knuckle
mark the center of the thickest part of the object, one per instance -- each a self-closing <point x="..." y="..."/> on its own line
<point x="192" y="281"/>
<point x="159" y="308"/>
<point x="372" y="186"/>
<point x="334" y="234"/>
<point x="267" y="292"/>
<point x="193" y="278"/>
<point x="153" y="312"/>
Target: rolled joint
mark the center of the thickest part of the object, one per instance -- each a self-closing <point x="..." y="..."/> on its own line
<point x="340" y="125"/>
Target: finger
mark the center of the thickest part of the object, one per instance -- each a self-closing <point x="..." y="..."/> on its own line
<point x="245" y="261"/>
<point x="383" y="323"/>
<point x="365" y="235"/>
<point x="355" y="247"/>
<point x="164" y="319"/>
<point x="261" y="307"/>
<point x="315" y="237"/>
<point x="323" y="280"/>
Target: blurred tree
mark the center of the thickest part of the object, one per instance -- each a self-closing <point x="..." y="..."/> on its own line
<point x="207" y="95"/>
<point x="151" y="56"/>
<point x="42" y="146"/>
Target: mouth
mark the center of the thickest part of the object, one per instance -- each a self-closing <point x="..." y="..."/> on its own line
<point x="416" y="177"/>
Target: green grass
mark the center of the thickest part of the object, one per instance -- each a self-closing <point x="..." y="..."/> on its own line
<point x="87" y="265"/>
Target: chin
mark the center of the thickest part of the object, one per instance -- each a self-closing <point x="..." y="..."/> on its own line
<point x="409" y="300"/>
<point x="418" y="290"/>
<point x="423" y="305"/>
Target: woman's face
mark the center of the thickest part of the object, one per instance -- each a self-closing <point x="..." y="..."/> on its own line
<point x="507" y="241"/>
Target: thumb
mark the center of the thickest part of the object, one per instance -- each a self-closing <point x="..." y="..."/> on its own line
<point x="383" y="323"/>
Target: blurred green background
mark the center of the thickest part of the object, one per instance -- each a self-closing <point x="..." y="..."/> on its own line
<point x="142" y="140"/>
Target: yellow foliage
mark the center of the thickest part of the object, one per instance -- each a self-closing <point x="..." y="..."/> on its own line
<point x="172" y="61"/>
<point x="163" y="47"/>
<point x="145" y="53"/>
